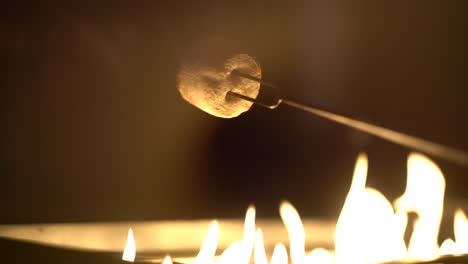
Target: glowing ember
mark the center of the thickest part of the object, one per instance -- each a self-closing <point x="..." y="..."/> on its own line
<point x="130" y="248"/>
<point x="369" y="230"/>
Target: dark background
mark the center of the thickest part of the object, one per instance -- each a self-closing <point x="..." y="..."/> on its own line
<point x="93" y="128"/>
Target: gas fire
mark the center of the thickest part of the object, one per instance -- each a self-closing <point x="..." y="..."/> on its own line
<point x="369" y="228"/>
<point x="130" y="248"/>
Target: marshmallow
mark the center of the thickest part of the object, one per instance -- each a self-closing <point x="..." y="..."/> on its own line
<point x="206" y="87"/>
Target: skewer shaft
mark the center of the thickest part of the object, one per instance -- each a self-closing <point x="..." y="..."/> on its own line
<point x="435" y="149"/>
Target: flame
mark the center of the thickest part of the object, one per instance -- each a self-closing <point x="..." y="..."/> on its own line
<point x="248" y="238"/>
<point x="130" y="248"/>
<point x="424" y="195"/>
<point x="296" y="232"/>
<point x="367" y="228"/>
<point x="240" y="252"/>
<point x="460" y="245"/>
<point x="448" y="247"/>
<point x="232" y="254"/>
<point x="167" y="260"/>
<point x="280" y="255"/>
<point x="259" y="250"/>
<point x="320" y="256"/>
<point x="461" y="232"/>
<point x="208" y="248"/>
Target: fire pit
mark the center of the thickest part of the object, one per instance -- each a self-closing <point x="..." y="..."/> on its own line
<point x="368" y="230"/>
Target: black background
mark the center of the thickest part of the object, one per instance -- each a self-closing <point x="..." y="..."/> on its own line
<point x="93" y="128"/>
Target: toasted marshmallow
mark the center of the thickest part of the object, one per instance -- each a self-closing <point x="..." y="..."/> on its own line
<point x="206" y="87"/>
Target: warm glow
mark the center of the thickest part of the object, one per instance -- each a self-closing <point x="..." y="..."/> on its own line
<point x="259" y="250"/>
<point x="232" y="254"/>
<point x="320" y="256"/>
<point x="296" y="232"/>
<point x="424" y="195"/>
<point x="130" y="248"/>
<point x="208" y="248"/>
<point x="280" y="255"/>
<point x="367" y="228"/>
<point x="248" y="238"/>
<point x="240" y="252"/>
<point x="448" y="247"/>
<point x="167" y="260"/>
<point x="460" y="245"/>
<point x="461" y="232"/>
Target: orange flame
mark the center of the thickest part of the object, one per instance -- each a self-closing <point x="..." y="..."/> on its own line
<point x="280" y="255"/>
<point x="424" y="195"/>
<point x="130" y="248"/>
<point x="368" y="230"/>
<point x="167" y="260"/>
<point x="296" y="232"/>
<point x="208" y="248"/>
<point x="259" y="250"/>
<point x="320" y="256"/>
<point x="460" y="246"/>
<point x="461" y="232"/>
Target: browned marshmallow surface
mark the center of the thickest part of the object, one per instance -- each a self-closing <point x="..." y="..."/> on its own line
<point x="207" y="87"/>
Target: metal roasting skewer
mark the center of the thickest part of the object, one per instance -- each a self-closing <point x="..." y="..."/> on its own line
<point x="435" y="149"/>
